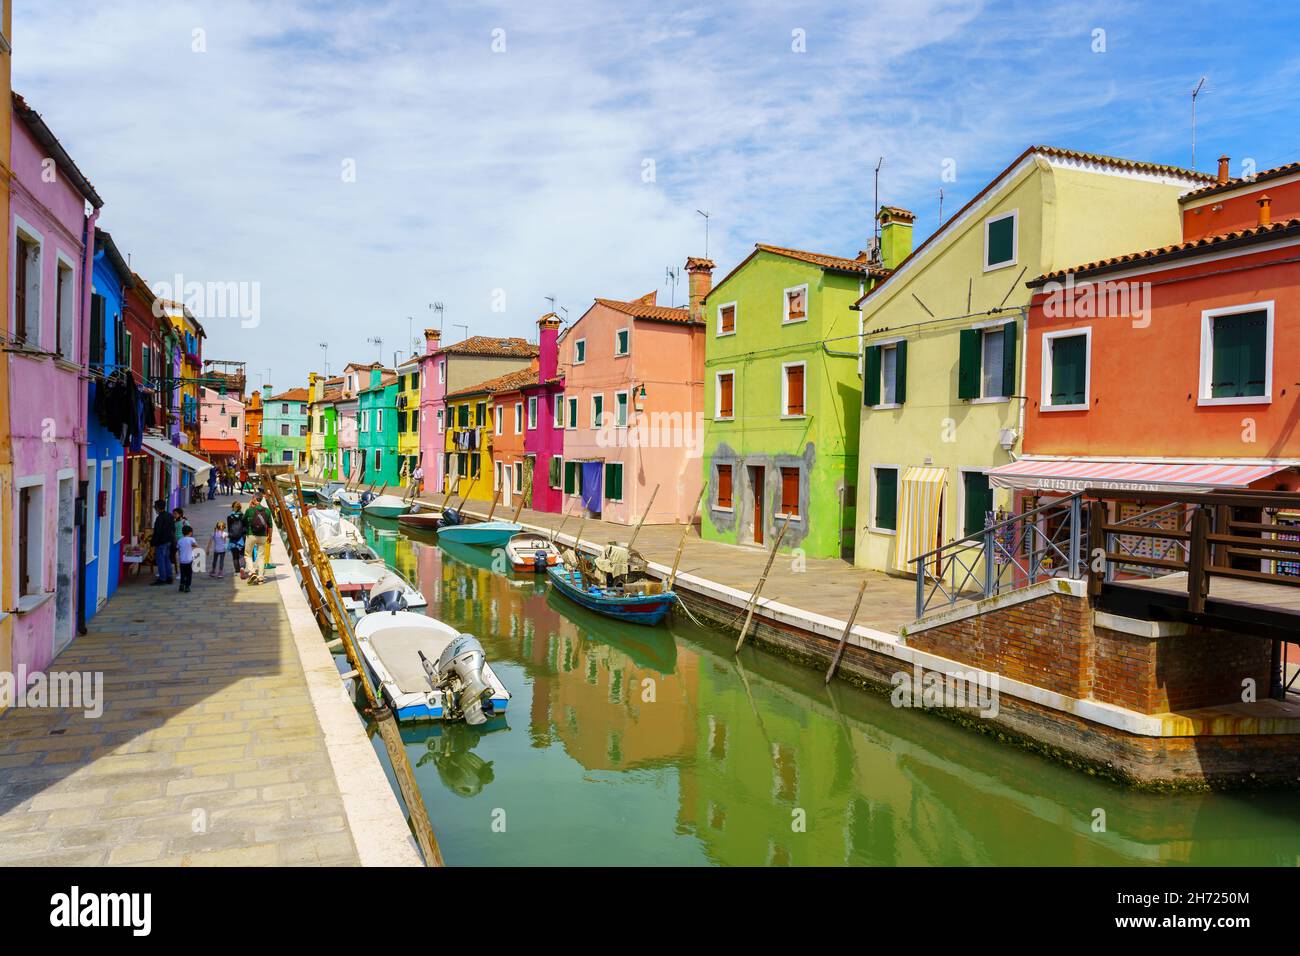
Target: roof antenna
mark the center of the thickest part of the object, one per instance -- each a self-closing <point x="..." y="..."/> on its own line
<point x="705" y="214"/>
<point x="941" y="205"/>
<point x="439" y="308"/>
<point x="1195" y="93"/>
<point x="875" y="232"/>
<point x="551" y="300"/>
<point x="672" y="276"/>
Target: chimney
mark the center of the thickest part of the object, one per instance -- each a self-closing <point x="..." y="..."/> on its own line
<point x="432" y="338"/>
<point x="548" y="346"/>
<point x="700" y="272"/>
<point x="1224" y="175"/>
<point x="895" y="235"/>
<point x="1265" y="212"/>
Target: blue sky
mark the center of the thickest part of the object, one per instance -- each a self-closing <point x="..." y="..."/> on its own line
<point x="486" y="177"/>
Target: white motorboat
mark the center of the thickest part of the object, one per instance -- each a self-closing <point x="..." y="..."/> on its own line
<point x="338" y="537"/>
<point x="532" y="551"/>
<point x="360" y="581"/>
<point x="386" y="506"/>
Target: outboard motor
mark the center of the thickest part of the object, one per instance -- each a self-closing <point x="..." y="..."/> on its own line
<point x="449" y="517"/>
<point x="459" y="675"/>
<point x="386" y="595"/>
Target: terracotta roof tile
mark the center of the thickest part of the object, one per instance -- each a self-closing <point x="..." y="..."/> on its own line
<point x="510" y="382"/>
<point x="293" y="395"/>
<point x="839" y="263"/>
<point x="1275" y="173"/>
<point x="643" y="309"/>
<point x="488" y="345"/>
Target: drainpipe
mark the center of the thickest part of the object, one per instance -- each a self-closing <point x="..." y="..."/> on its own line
<point x="80" y="507"/>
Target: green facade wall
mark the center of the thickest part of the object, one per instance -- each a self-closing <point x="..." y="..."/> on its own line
<point x="370" y="402"/>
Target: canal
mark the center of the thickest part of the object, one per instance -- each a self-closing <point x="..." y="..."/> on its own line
<point x="637" y="746"/>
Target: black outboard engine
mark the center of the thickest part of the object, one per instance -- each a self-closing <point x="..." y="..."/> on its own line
<point x="449" y="517"/>
<point x="386" y="595"/>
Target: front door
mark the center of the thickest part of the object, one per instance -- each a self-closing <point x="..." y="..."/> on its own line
<point x="105" y="527"/>
<point x="756" y="484"/>
<point x="64" y="580"/>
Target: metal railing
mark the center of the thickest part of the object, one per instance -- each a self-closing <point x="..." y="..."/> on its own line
<point x="1049" y="541"/>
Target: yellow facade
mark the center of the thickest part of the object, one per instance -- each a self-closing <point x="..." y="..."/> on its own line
<point x="469" y="472"/>
<point x="8" y="596"/>
<point x="408" y="415"/>
<point x="315" y="462"/>
<point x="1064" y="208"/>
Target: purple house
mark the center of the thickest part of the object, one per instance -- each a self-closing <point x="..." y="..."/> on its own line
<point x="546" y="441"/>
<point x="49" y="281"/>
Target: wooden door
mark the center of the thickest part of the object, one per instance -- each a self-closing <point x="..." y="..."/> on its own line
<point x="756" y="483"/>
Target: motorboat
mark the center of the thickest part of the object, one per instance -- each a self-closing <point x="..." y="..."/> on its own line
<point x="615" y="584"/>
<point x="360" y="581"/>
<point x="491" y="534"/>
<point x="386" y="506"/>
<point x="532" y="551"/>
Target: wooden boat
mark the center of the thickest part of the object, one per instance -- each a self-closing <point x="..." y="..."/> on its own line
<point x="386" y="506"/>
<point x="490" y="534"/>
<point x="532" y="551"/>
<point x="420" y="521"/>
<point x="640" y="602"/>
<point x="428" y="670"/>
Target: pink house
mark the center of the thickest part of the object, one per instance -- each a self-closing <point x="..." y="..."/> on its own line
<point x="544" y="439"/>
<point x="221" y="427"/>
<point x="49" y="297"/>
<point x="433" y="395"/>
<point x="633" y="410"/>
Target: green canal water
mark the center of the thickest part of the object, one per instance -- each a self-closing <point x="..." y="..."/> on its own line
<point x="634" y="746"/>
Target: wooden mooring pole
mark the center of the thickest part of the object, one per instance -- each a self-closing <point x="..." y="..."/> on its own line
<point x="645" y="514"/>
<point x="753" y="598"/>
<point x="681" y="545"/>
<point x="294" y="543"/>
<point x="844" y="638"/>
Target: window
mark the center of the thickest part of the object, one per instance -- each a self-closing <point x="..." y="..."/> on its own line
<point x="302" y="409"/>
<point x="284" y="430"/>
<point x="379" y="459"/>
<point x="579" y="351"/>
<point x="885" y="517"/>
<point x="557" y="410"/>
<point x="519" y="418"/>
<point x="284" y="408"/>
<point x="97" y="317"/>
<point x="65" y="308"/>
<point x="727" y="319"/>
<point x="501" y="419"/>
<point x="554" y="478"/>
<point x="1000" y="241"/>
<point x="474" y="466"/>
<point x="977" y="501"/>
<point x="532" y="412"/>
<point x="570" y="477"/>
<point x="573" y="413"/>
<point x="287" y="455"/>
<point x="986" y="366"/>
<point x="1065" y="370"/>
<point x="722" y="486"/>
<point x="302" y="430"/>
<point x="441" y="423"/>
<point x="442" y="372"/>
<point x="31" y="539"/>
<point x="614" y="481"/>
<point x="792" y="390"/>
<point x="519" y="477"/>
<point x="1237" y="355"/>
<point x="462" y="416"/>
<point x="401" y="422"/>
<point x="621" y="341"/>
<point x="234" y="421"/>
<point x="620" y="409"/>
<point x="796" y="304"/>
<point x="597" y="410"/>
<point x="790" y="484"/>
<point x="884" y="381"/>
<point x="27" y="287"/>
<point x="724" y="388"/>
<point x="480" y="414"/>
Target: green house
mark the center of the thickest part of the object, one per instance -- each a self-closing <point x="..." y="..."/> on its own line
<point x="782" y="393"/>
<point x="377" y="430"/>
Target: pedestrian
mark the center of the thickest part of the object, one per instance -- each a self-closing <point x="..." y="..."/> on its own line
<point x="230" y="480"/>
<point x="217" y="548"/>
<point x="243" y="479"/>
<point x="164" y="541"/>
<point x="212" y="483"/>
<point x="185" y="556"/>
<point x="259" y="533"/>
<point x="417" y="482"/>
<point x="236" y="528"/>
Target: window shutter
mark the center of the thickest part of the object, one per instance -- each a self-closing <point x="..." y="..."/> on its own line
<point x="725" y="395"/>
<point x="613" y="481"/>
<point x="900" y="372"/>
<point x="97" y="330"/>
<point x="570" y="471"/>
<point x="794" y="391"/>
<point x="724" y="486"/>
<point x="968" y="365"/>
<point x="871" y="377"/>
<point x="886" y="498"/>
<point x="790" y="491"/>
<point x="1068" y="373"/>
<point x="1009" y="359"/>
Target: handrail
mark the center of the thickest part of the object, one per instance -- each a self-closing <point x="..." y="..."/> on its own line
<point x="1014" y="519"/>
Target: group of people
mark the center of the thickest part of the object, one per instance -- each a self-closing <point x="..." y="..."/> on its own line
<point x="175" y="546"/>
<point x="226" y="480"/>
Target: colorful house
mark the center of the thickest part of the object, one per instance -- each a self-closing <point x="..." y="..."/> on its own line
<point x="284" y="428"/>
<point x="50" y="296"/>
<point x="108" y="418"/>
<point x="408" y="417"/>
<point x="513" y="417"/>
<point x="377" y="429"/>
<point x="544" y="401"/>
<point x="943" y="392"/>
<point x="1170" y="368"/>
<point x="322" y="444"/>
<point x="467" y="454"/>
<point x="782" y="392"/>
<point x="221" y="427"/>
<point x="347" y="412"/>
<point x="329" y="412"/>
<point x="144" y="344"/>
<point x="433" y="393"/>
<point x="634" y="408"/>
<point x="7" y="492"/>
<point x="253" y="428"/>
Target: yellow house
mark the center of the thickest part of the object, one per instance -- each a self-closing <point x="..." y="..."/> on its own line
<point x="408" y="416"/>
<point x="8" y="596"/>
<point x="468" y="451"/>
<point x="942" y="365"/>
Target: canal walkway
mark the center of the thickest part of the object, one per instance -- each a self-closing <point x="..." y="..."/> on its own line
<point x="226" y="738"/>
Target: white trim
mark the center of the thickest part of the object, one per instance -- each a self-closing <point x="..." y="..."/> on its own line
<point x="785" y="304"/>
<point x="785" y="397"/>
<point x="1014" y="216"/>
<point x="92" y="488"/>
<point x="735" y="319"/>
<point x="1046" y="398"/>
<point x="777" y="512"/>
<point x="498" y="426"/>
<point x="35" y="535"/>
<point x="962" y="472"/>
<point x="120" y="465"/>
<point x="604" y="485"/>
<point x="1203" y="395"/>
<point x="23" y="226"/>
<point x="531" y="418"/>
<point x="627" y="408"/>
<point x="871" y="497"/>
<point x="580" y="342"/>
<point x="731" y="508"/>
<point x="717" y="394"/>
<point x="617" y="353"/>
<point x="519" y="418"/>
<point x="571" y="412"/>
<point x="595" y="415"/>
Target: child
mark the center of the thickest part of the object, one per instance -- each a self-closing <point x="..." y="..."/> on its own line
<point x="218" y="548"/>
<point x="185" y="557"/>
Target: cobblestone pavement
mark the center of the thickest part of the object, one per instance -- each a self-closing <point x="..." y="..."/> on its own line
<point x="208" y="751"/>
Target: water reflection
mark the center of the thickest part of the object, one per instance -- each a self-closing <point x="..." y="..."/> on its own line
<point x="631" y="745"/>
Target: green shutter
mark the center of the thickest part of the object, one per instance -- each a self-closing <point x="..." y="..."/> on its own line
<point x="887" y="498"/>
<point x="968" y="365"/>
<point x="900" y="372"/>
<point x="570" y="473"/>
<point x="1001" y="241"/>
<point x="1009" y="359"/>
<point x="613" y="481"/>
<point x="978" y="501"/>
<point x="1240" y="344"/>
<point x="871" y="377"/>
<point x="554" y="476"/>
<point x="1069" y="370"/>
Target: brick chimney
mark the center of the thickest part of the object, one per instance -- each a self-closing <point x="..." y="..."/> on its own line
<point x="548" y="346"/>
<point x="1224" y="174"/>
<point x="700" y="272"/>
<point x="895" y="235"/>
<point x="432" y="340"/>
<point x="1265" y="210"/>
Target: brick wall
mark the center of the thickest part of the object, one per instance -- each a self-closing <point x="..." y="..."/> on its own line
<point x="1201" y="668"/>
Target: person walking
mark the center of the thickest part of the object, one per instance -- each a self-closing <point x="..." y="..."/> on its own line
<point x="185" y="557"/>
<point x="417" y="482"/>
<point x="164" y="541"/>
<point x="212" y="482"/>
<point x="259" y="533"/>
<point x="243" y="479"/>
<point x="217" y="546"/>
<point x="236" y="529"/>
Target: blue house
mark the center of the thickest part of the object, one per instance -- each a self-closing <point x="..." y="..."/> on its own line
<point x="111" y="400"/>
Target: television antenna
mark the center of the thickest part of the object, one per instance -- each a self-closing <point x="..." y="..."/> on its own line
<point x="1195" y="93"/>
<point x="672" y="275"/>
<point x="439" y="308"/>
<point x="325" y="351"/>
<point x="378" y="343"/>
<point x="705" y="214"/>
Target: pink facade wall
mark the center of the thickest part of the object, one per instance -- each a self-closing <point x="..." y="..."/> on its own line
<point x="47" y="397"/>
<point x="546" y="440"/>
<point x="215" y="418"/>
<point x="662" y="444"/>
<point x="433" y="395"/>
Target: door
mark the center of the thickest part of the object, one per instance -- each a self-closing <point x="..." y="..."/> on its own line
<point x="757" y="479"/>
<point x="64" y="580"/>
<point x="104" y="526"/>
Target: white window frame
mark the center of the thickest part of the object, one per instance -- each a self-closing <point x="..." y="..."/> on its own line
<point x="35" y="337"/>
<point x="442" y="371"/>
<point x="572" y="404"/>
<point x="883" y="344"/>
<point x="286" y="456"/>
<point x="785" y="396"/>
<point x="871" y="499"/>
<point x="92" y="519"/>
<point x="560" y="486"/>
<point x="731" y="508"/>
<point x="532" y="412"/>
<point x="595" y="415"/>
<point x="517" y="477"/>
<point x="38" y="595"/>
<point x="717" y="397"/>
<point x="500" y="423"/>
<point x="442" y="422"/>
<point x="984" y="329"/>
<point x="778" y="513"/>
<point x="519" y="418"/>
<point x="73" y="306"/>
<point x="627" y="408"/>
<point x="1014" y="216"/>
<point x="379" y="419"/>
<point x="1205" y="392"/>
<point x="1046" y="398"/>
<point x="580" y="346"/>
<point x="785" y="304"/>
<point x="617" y="353"/>
<point x="120" y="482"/>
<point x="557" y="411"/>
<point x="604" y="485"/>
<point x="718" y="333"/>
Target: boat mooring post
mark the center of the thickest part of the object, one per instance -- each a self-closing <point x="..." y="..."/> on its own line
<point x="645" y="514"/>
<point x="844" y="638"/>
<point x="753" y="598"/>
<point x="493" y="509"/>
<point x="681" y="545"/>
<point x="296" y="552"/>
<point x="560" y="527"/>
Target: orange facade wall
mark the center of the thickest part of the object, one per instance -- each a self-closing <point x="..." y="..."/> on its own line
<point x="1237" y="210"/>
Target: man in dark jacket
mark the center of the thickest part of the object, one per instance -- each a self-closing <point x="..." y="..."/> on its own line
<point x="164" y="542"/>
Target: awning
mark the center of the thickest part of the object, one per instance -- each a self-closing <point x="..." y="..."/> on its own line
<point x="1075" y="474"/>
<point x="919" y="502"/>
<point x="219" y="446"/>
<point x="167" y="452"/>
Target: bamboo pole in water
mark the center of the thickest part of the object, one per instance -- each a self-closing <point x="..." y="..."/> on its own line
<point x="382" y="713"/>
<point x="681" y="545"/>
<point x="753" y="598"/>
<point x="560" y="527"/>
<point x="295" y="550"/>
<point x="645" y="514"/>
<point x="514" y="519"/>
<point x="844" y="638"/>
<point x="493" y="509"/>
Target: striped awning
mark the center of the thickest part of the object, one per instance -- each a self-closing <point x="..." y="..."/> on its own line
<point x="167" y="452"/>
<point x="1076" y="474"/>
<point x="920" y="500"/>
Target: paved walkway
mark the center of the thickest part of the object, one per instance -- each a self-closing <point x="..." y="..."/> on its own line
<point x="209" y="750"/>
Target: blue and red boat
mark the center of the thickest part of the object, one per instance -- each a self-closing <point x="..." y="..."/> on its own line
<point x="638" y="606"/>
